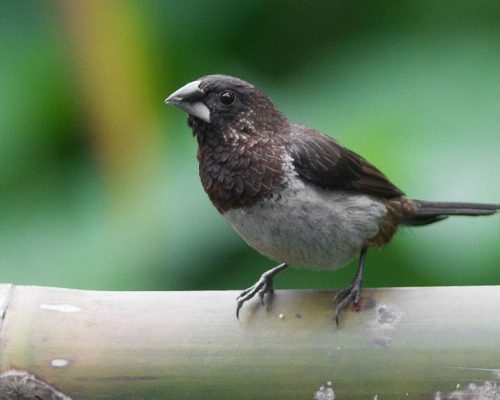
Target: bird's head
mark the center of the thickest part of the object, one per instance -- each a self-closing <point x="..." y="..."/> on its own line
<point x="227" y="104"/>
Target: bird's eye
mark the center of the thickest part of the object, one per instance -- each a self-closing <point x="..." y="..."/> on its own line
<point x="227" y="98"/>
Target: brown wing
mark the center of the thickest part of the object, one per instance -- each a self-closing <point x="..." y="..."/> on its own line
<point x="321" y="160"/>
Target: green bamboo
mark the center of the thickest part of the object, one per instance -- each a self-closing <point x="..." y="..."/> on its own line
<point x="404" y="343"/>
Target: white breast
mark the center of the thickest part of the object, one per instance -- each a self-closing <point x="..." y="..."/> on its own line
<point x="309" y="226"/>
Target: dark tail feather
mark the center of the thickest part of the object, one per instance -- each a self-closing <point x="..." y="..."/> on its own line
<point x="431" y="211"/>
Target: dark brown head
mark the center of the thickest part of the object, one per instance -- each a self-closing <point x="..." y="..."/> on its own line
<point x="240" y="134"/>
<point x="226" y="104"/>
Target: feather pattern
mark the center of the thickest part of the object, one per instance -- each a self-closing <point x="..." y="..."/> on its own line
<point x="322" y="161"/>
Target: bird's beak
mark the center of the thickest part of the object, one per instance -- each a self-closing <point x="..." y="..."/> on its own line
<point x="188" y="98"/>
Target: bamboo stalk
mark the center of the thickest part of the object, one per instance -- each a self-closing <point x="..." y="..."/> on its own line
<point x="415" y="343"/>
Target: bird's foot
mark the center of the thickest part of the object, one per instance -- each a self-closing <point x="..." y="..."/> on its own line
<point x="261" y="287"/>
<point x="345" y="297"/>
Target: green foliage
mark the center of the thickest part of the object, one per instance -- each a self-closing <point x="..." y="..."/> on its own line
<point x="98" y="178"/>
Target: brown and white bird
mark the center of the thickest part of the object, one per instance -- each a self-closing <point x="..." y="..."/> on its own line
<point x="293" y="194"/>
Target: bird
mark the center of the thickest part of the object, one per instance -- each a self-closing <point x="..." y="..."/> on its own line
<point x="295" y="195"/>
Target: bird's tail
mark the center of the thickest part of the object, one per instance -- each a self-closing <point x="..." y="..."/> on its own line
<point x="431" y="211"/>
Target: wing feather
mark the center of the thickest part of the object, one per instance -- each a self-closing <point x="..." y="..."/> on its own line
<point x="321" y="160"/>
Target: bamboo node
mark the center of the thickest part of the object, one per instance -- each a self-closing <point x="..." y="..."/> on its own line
<point x="21" y="385"/>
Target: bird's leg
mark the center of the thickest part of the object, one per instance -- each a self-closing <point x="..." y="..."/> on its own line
<point x="350" y="295"/>
<point x="261" y="287"/>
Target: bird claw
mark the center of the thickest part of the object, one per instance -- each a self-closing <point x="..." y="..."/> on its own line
<point x="345" y="297"/>
<point x="261" y="287"/>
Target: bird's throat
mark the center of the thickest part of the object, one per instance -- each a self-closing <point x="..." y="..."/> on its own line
<point x="239" y="170"/>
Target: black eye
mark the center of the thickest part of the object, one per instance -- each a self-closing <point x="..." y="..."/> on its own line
<point x="227" y="98"/>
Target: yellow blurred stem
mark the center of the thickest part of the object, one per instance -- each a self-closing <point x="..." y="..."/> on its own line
<point x="112" y="66"/>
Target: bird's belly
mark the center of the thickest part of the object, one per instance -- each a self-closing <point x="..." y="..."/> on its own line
<point x="309" y="226"/>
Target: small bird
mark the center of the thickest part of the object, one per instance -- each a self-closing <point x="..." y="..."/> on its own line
<point x="292" y="193"/>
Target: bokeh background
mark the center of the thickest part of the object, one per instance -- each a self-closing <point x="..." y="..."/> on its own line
<point x="99" y="185"/>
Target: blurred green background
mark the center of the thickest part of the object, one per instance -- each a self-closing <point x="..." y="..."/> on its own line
<point x="99" y="184"/>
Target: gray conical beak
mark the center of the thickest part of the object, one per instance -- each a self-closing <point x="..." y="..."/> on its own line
<point x="189" y="99"/>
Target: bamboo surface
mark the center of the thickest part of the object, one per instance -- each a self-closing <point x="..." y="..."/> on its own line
<point x="404" y="343"/>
